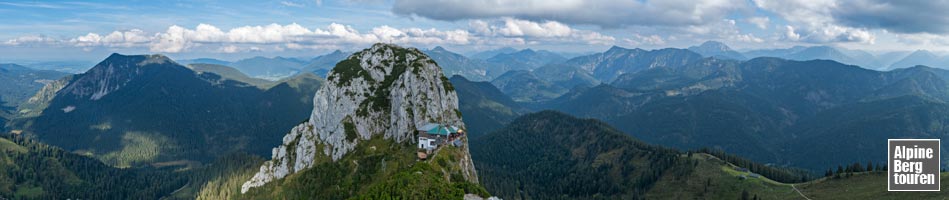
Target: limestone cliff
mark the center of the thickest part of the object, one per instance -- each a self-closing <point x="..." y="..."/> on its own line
<point x="385" y="91"/>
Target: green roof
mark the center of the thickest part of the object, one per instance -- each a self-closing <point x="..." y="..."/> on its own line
<point x="441" y="130"/>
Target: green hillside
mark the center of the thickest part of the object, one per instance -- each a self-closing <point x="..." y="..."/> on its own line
<point x="865" y="186"/>
<point x="17" y="85"/>
<point x="708" y="177"/>
<point x="30" y="170"/>
<point x="551" y="155"/>
<point x="524" y="86"/>
<point x="220" y="179"/>
<point x="713" y="178"/>
<point x="376" y="169"/>
<point x="484" y="107"/>
<point x="788" y="113"/>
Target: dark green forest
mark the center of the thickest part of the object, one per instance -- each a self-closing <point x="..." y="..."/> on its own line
<point x="550" y="155"/>
<point x="32" y="170"/>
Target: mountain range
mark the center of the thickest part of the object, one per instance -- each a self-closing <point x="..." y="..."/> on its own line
<point x="321" y="65"/>
<point x="19" y="84"/>
<point x="484" y="107"/>
<point x="484" y="55"/>
<point x="456" y="64"/>
<point x="921" y="57"/>
<point x="144" y="109"/>
<point x="706" y="122"/>
<point x="270" y="68"/>
<point x="643" y="92"/>
<point x="276" y="68"/>
<point x="527" y="59"/>
<point x="204" y="61"/>
<point x="801" y="53"/>
<point x="717" y="50"/>
<point x="550" y="154"/>
<point x="767" y="109"/>
<point x="753" y="106"/>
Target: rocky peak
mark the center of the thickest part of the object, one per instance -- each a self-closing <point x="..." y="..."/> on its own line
<point x="336" y="52"/>
<point x="715" y="45"/>
<point x="113" y="73"/>
<point x="717" y="50"/>
<point x="385" y="91"/>
<point x="615" y="48"/>
<point x="12" y="67"/>
<point x="921" y="54"/>
<point x="527" y="51"/>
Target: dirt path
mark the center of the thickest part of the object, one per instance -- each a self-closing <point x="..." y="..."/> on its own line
<point x="799" y="192"/>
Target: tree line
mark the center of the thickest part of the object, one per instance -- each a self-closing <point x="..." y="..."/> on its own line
<point x="780" y="174"/>
<point x="32" y="170"/>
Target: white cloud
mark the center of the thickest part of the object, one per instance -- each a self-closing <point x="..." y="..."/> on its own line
<point x="130" y="38"/>
<point x="813" y="21"/>
<point x="294" y="4"/>
<point x="229" y="49"/>
<point x="176" y="39"/>
<point x="746" y="38"/>
<point x="278" y="37"/>
<point x="173" y="40"/>
<point x="924" y="39"/>
<point x="812" y="13"/>
<point x="649" y="40"/>
<point x="900" y="17"/>
<point x="605" y="13"/>
<point x="790" y="34"/>
<point x="550" y="31"/>
<point x="514" y="27"/>
<point x="724" y="30"/>
<point x="387" y="33"/>
<point x="479" y="27"/>
<point x="433" y="36"/>
<point x="760" y="22"/>
<point x="31" y="39"/>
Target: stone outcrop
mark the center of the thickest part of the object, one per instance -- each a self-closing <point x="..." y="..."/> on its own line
<point x="385" y="91"/>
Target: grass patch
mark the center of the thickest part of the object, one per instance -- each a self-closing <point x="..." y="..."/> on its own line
<point x="866" y="185"/>
<point x="350" y="129"/>
<point x="137" y="148"/>
<point x="712" y="178"/>
<point x="447" y="84"/>
<point x="104" y="126"/>
<point x="7" y="145"/>
<point x="28" y="193"/>
<point x="349" y="69"/>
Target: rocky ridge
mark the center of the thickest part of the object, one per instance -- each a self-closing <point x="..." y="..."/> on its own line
<point x="385" y="91"/>
<point x="111" y="74"/>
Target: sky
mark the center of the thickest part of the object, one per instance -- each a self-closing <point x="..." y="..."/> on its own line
<point x="230" y="30"/>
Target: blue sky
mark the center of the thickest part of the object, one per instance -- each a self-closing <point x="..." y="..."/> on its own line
<point x="90" y="30"/>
